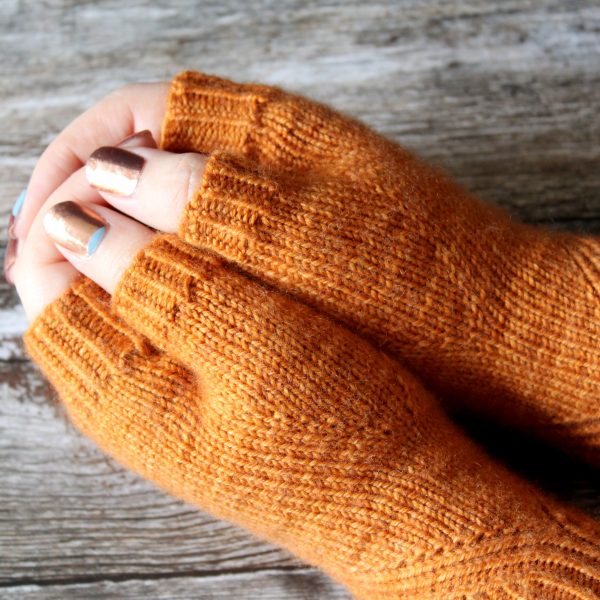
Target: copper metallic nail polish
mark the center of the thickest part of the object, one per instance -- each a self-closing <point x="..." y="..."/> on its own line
<point x="75" y="227"/>
<point x="144" y="136"/>
<point x="114" y="170"/>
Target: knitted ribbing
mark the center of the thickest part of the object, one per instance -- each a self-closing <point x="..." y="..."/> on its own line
<point x="494" y="315"/>
<point x="266" y="413"/>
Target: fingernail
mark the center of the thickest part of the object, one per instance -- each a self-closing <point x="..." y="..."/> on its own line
<point x="144" y="136"/>
<point x="10" y="256"/>
<point x="114" y="170"/>
<point x="75" y="227"/>
<point x="18" y="205"/>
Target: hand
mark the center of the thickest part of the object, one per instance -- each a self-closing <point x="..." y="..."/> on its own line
<point x="40" y="271"/>
<point x="264" y="412"/>
<point x="135" y="107"/>
<point x="353" y="224"/>
<point x="496" y="316"/>
<point x="36" y="268"/>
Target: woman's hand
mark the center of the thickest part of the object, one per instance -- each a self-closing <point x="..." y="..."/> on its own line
<point x="262" y="411"/>
<point x="255" y="407"/>
<point x="318" y="205"/>
<point x="134" y="107"/>
<point x="44" y="270"/>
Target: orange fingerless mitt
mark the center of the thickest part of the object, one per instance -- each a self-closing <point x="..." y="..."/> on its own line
<point x="494" y="315"/>
<point x="266" y="413"/>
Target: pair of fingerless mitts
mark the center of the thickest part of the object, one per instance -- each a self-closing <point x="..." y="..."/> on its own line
<point x="217" y="371"/>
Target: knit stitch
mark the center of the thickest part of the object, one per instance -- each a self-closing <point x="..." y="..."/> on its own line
<point x="265" y="412"/>
<point x="494" y="315"/>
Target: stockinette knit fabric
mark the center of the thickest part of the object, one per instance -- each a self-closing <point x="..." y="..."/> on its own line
<point x="494" y="315"/>
<point x="264" y="412"/>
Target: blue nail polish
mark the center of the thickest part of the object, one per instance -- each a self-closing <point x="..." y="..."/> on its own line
<point x="95" y="240"/>
<point x="19" y="203"/>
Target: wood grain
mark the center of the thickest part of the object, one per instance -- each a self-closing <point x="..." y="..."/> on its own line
<point x="504" y="95"/>
<point x="301" y="584"/>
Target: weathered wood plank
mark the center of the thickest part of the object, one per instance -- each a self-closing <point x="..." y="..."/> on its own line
<point x="302" y="584"/>
<point x="503" y="95"/>
<point x="13" y="324"/>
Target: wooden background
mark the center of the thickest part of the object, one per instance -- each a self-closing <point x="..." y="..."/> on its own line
<point x="504" y="95"/>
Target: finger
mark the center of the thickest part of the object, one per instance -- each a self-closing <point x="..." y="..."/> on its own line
<point x="41" y="252"/>
<point x="40" y="285"/>
<point x="99" y="242"/>
<point x="40" y="272"/>
<point x="152" y="186"/>
<point x="134" y="107"/>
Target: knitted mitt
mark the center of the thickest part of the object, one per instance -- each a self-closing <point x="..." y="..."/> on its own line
<point x="266" y="413"/>
<point x="494" y="315"/>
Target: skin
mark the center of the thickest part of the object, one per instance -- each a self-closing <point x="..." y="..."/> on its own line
<point x="44" y="270"/>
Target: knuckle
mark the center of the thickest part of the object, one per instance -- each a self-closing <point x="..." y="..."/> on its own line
<point x="121" y="95"/>
<point x="124" y="90"/>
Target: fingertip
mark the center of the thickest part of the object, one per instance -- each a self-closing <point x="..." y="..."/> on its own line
<point x="75" y="227"/>
<point x="98" y="242"/>
<point x="151" y="185"/>
<point x="114" y="170"/>
<point x="138" y="139"/>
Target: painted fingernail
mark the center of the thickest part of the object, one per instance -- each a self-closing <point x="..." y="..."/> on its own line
<point x="114" y="170"/>
<point x="139" y="137"/>
<point x="10" y="255"/>
<point x="18" y="205"/>
<point x="75" y="227"/>
<point x="12" y="246"/>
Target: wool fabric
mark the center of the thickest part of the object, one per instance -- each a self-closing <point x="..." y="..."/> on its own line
<point x="264" y="412"/>
<point x="495" y="316"/>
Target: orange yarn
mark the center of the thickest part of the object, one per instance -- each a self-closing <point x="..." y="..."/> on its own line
<point x="494" y="315"/>
<point x="266" y="413"/>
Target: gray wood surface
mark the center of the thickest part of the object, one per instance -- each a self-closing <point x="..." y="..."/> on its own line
<point x="504" y="95"/>
<point x="299" y="584"/>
